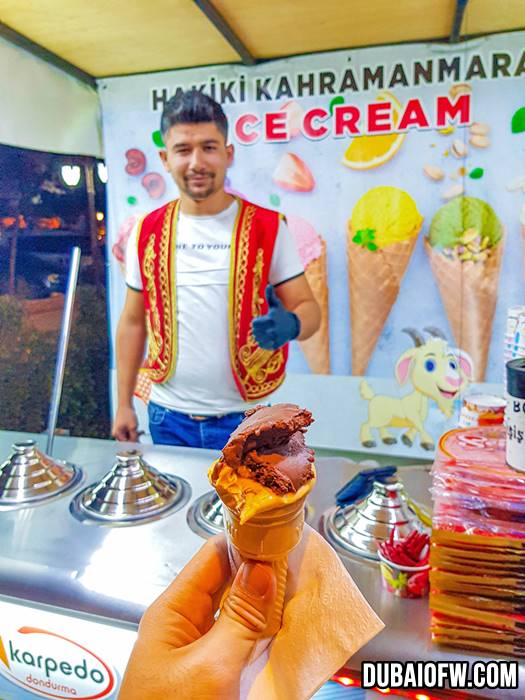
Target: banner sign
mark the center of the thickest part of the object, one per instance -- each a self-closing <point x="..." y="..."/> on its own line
<point x="401" y="171"/>
<point x="49" y="655"/>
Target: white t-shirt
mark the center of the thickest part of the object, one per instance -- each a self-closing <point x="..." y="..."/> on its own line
<point x="203" y="383"/>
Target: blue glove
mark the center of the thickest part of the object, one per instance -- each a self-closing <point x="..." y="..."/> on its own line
<point x="278" y="326"/>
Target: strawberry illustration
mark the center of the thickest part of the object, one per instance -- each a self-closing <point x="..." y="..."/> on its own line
<point x="293" y="174"/>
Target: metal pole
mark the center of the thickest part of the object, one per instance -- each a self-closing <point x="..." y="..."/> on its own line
<point x="455" y="32"/>
<point x="67" y="315"/>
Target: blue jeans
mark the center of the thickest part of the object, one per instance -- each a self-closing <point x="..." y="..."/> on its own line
<point x="169" y="427"/>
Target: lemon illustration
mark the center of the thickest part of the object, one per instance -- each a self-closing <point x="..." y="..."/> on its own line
<point x="365" y="152"/>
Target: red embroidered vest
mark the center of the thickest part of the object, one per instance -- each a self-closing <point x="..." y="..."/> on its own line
<point x="257" y="372"/>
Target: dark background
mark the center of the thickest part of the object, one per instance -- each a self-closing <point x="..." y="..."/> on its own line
<point x="41" y="218"/>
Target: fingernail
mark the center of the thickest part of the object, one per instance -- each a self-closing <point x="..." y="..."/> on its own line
<point x="256" y="578"/>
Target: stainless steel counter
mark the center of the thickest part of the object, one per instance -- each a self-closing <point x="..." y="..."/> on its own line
<point x="49" y="557"/>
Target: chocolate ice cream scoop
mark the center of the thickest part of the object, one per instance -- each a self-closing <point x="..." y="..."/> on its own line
<point x="268" y="447"/>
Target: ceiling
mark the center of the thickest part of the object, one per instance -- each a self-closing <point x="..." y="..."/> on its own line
<point x="119" y="37"/>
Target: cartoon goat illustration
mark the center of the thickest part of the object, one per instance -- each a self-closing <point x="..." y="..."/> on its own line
<point x="436" y="371"/>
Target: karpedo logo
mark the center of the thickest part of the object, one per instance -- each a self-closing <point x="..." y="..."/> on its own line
<point x="52" y="666"/>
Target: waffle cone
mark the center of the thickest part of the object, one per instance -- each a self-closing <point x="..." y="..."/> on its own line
<point x="275" y="618"/>
<point x="374" y="279"/>
<point x="469" y="292"/>
<point x="523" y="239"/>
<point x="316" y="349"/>
<point x="143" y="387"/>
<point x="269" y="536"/>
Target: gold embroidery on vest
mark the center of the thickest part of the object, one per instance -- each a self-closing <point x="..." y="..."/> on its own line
<point x="257" y="362"/>
<point x="164" y="284"/>
<point x="257" y="301"/>
<point x="160" y="344"/>
<point x="152" y="316"/>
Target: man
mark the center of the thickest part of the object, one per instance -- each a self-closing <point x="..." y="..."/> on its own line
<point x="216" y="286"/>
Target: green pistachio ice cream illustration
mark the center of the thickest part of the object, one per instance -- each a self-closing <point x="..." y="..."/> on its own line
<point x="465" y="229"/>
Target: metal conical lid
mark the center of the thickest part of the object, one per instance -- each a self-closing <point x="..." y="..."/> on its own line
<point x="205" y="516"/>
<point x="132" y="490"/>
<point x="28" y="476"/>
<point x="361" y="527"/>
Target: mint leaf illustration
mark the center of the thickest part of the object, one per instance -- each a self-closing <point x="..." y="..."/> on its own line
<point x="157" y="139"/>
<point x="476" y="173"/>
<point x="366" y="237"/>
<point x="339" y="100"/>
<point x="518" y="121"/>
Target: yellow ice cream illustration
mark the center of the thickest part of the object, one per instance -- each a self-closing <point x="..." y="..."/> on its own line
<point x="381" y="237"/>
<point x="388" y="215"/>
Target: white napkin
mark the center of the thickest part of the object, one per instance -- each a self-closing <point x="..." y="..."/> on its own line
<point x="325" y="621"/>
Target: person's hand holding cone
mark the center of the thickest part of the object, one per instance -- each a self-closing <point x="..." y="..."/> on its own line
<point x="179" y="637"/>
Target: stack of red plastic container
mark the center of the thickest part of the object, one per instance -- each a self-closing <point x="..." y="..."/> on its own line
<point x="477" y="557"/>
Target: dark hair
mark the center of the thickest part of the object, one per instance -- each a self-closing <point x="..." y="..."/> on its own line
<point x="192" y="107"/>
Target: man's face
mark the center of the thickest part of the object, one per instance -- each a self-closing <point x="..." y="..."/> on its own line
<point x="197" y="158"/>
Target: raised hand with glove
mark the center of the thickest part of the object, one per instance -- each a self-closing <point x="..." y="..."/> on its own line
<point x="278" y="326"/>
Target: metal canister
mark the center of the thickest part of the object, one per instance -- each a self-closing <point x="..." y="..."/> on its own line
<point x="515" y="414"/>
<point x="482" y="409"/>
<point x="514" y="337"/>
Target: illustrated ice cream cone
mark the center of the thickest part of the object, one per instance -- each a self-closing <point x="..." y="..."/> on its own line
<point x="522" y="226"/>
<point x="312" y="251"/>
<point x="263" y="479"/>
<point x="465" y="247"/>
<point x="119" y="247"/>
<point x="381" y="237"/>
<point x="143" y="387"/>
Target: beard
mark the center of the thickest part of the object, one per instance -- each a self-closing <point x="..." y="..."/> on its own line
<point x="202" y="190"/>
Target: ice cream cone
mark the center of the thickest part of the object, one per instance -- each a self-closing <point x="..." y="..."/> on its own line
<point x="381" y="237"/>
<point x="263" y="508"/>
<point x="374" y="280"/>
<point x="119" y="247"/>
<point x="523" y="240"/>
<point x="316" y="349"/>
<point x="143" y="387"/>
<point x="269" y="537"/>
<point x="469" y="295"/>
<point x="468" y="280"/>
<point x="312" y="251"/>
